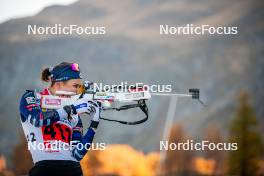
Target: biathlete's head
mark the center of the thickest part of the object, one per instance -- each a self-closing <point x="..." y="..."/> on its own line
<point x="65" y="78"/>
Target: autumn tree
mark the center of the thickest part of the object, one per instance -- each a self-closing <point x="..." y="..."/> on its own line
<point x="178" y="162"/>
<point x="244" y="132"/>
<point x="119" y="160"/>
<point x="22" y="161"/>
<point x="213" y="134"/>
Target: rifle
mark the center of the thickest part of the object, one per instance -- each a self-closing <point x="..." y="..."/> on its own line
<point x="132" y="96"/>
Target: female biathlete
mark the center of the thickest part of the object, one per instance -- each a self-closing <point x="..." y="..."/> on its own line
<point x="64" y="125"/>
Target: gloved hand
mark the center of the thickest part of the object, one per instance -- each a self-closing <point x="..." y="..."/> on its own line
<point x="81" y="106"/>
<point x="96" y="108"/>
<point x="74" y="120"/>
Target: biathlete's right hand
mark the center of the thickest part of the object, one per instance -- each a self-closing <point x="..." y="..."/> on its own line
<point x="82" y="106"/>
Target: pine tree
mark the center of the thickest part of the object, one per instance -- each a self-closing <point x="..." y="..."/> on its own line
<point x="244" y="132"/>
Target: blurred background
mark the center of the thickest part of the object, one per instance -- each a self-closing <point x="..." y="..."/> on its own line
<point x="228" y="69"/>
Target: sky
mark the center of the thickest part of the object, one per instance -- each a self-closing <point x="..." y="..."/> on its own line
<point x="22" y="8"/>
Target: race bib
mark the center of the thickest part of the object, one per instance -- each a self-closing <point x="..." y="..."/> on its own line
<point x="57" y="131"/>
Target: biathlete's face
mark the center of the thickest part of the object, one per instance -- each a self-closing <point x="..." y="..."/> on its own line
<point x="73" y="85"/>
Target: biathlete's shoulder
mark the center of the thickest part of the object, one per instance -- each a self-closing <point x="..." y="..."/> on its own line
<point x="29" y="97"/>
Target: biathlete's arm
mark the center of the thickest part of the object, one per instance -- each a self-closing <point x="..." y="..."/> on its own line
<point x="77" y="131"/>
<point x="87" y="139"/>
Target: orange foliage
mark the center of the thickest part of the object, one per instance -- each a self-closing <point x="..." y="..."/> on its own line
<point x="204" y="166"/>
<point x="120" y="160"/>
<point x="2" y="163"/>
<point x="261" y="167"/>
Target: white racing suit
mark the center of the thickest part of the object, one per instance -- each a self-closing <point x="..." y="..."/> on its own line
<point x="45" y="129"/>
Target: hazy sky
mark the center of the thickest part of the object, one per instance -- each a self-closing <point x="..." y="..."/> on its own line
<point x="21" y="8"/>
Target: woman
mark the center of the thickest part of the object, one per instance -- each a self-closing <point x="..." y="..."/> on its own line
<point x="46" y="126"/>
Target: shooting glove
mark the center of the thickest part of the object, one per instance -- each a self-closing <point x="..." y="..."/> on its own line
<point x="81" y="106"/>
<point x="96" y="111"/>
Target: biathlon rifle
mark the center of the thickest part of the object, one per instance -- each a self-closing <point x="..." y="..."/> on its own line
<point x="130" y="97"/>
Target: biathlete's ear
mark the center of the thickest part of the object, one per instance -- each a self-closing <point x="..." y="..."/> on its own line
<point x="59" y="84"/>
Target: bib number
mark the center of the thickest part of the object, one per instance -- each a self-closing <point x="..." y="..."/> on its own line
<point x="57" y="131"/>
<point x="31" y="137"/>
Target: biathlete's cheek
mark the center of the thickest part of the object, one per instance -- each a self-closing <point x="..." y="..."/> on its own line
<point x="72" y="89"/>
<point x="75" y="90"/>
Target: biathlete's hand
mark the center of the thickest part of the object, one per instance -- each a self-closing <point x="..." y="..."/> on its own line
<point x="81" y="106"/>
<point x="96" y="108"/>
